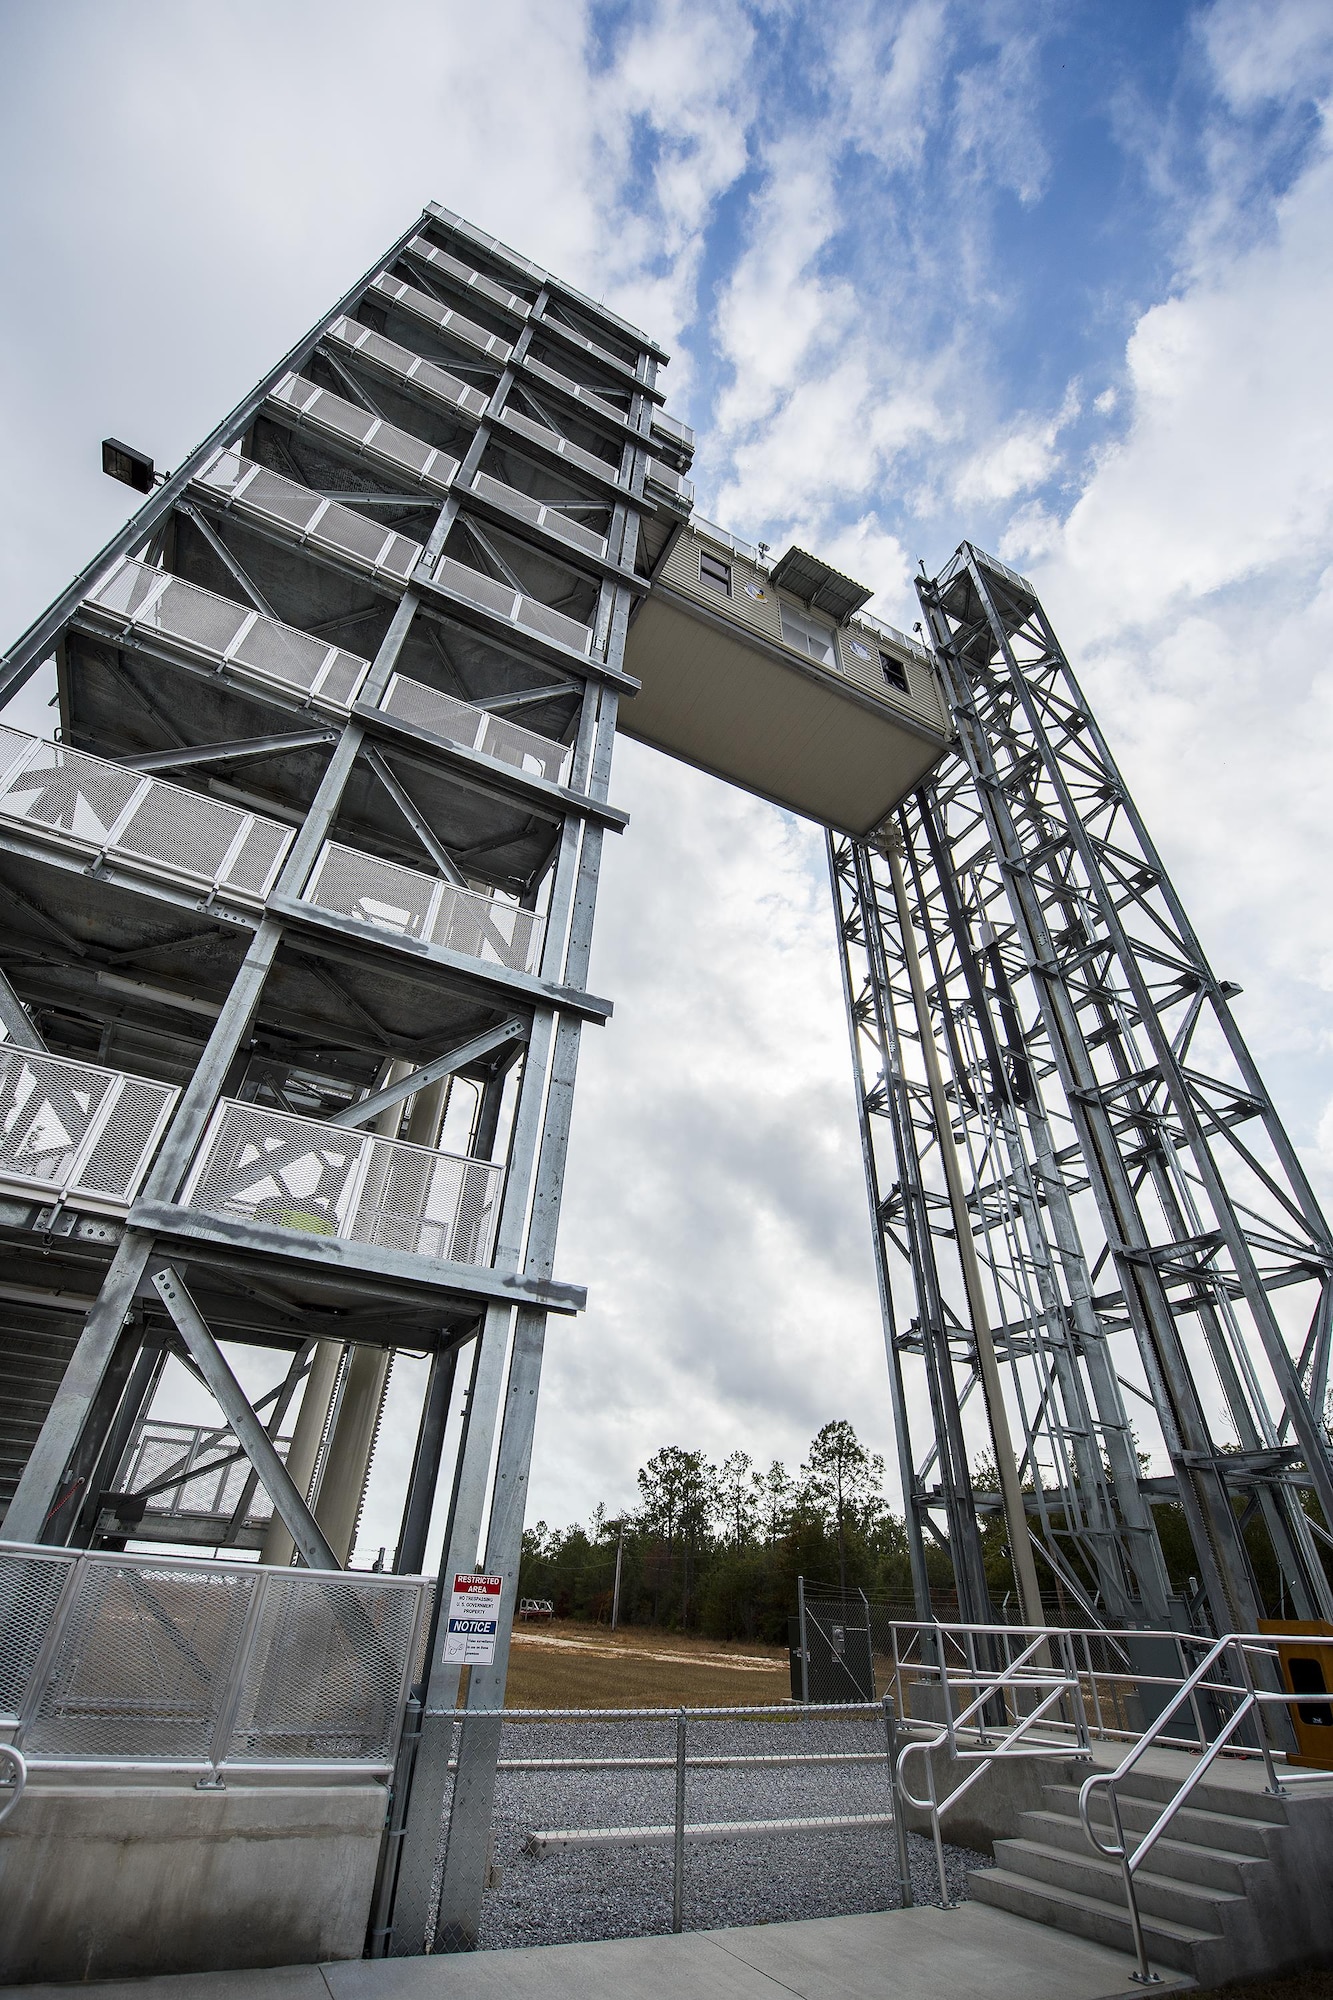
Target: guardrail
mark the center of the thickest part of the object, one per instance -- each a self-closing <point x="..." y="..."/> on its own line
<point x="297" y="515"/>
<point x="139" y="599"/>
<point x="100" y="808"/>
<point x="360" y="431"/>
<point x="476" y="729"/>
<point x="667" y="1746"/>
<point x="191" y="1470"/>
<point x="409" y="903"/>
<point x="143" y="1665"/>
<point x="1208" y="1679"/>
<point x="72" y="1128"/>
<point x="306" y="1175"/>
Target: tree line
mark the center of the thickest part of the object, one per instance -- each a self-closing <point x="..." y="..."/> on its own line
<point x="717" y="1548"/>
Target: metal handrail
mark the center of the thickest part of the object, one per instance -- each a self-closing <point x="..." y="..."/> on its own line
<point x="1017" y="1673"/>
<point x="15" y="1761"/>
<point x="1232" y="1643"/>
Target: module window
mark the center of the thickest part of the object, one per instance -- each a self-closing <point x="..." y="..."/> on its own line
<point x="715" y="573"/>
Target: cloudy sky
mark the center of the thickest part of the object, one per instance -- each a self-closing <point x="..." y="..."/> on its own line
<point x="1054" y="277"/>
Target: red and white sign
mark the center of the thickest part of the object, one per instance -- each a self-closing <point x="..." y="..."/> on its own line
<point x="474" y="1614"/>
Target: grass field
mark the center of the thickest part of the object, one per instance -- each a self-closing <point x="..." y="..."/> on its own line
<point x="570" y="1665"/>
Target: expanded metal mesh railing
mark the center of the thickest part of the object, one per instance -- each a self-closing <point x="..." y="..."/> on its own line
<point x="138" y="598"/>
<point x="422" y="306"/>
<point x="192" y="1469"/>
<point x="407" y="367"/>
<point x="141" y="1661"/>
<point x="101" y="808"/>
<point x="542" y="434"/>
<point x="408" y="903"/>
<point x="70" y="1128"/>
<point x="503" y="601"/>
<point x="463" y="274"/>
<point x="330" y="1180"/>
<point x="363" y="432"/>
<point x="299" y="515"/>
<point x="459" y="722"/>
<point x="539" y="515"/>
<point x="578" y="390"/>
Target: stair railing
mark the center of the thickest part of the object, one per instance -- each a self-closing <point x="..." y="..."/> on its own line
<point x="1024" y="1671"/>
<point x="1130" y="1863"/>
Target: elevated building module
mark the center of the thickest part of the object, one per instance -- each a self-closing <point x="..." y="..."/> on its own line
<point x="773" y="677"/>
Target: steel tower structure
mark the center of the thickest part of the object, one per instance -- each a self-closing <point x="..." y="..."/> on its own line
<point x="1081" y="1187"/>
<point x="299" y="908"/>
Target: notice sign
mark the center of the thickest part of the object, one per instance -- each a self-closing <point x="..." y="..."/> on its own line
<point x="474" y="1613"/>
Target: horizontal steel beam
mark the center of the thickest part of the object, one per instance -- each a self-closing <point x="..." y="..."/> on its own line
<point x="357" y="1263"/>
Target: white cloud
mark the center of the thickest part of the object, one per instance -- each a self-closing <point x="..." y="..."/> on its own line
<point x="1015" y="462"/>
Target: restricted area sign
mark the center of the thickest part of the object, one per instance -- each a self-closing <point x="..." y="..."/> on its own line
<point x="474" y="1613"/>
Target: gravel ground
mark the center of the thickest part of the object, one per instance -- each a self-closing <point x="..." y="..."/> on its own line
<point x="564" y="1895"/>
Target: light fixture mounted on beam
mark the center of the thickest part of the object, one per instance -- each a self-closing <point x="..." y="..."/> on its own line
<point x="132" y="468"/>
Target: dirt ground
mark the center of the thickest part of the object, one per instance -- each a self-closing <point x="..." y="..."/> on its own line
<point x="570" y="1665"/>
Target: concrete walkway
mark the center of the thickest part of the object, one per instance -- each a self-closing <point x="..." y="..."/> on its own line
<point x="972" y="1953"/>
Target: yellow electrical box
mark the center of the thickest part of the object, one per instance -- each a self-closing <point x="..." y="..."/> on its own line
<point x="1307" y="1669"/>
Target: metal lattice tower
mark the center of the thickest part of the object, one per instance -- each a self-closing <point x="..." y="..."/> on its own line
<point x="1141" y="1222"/>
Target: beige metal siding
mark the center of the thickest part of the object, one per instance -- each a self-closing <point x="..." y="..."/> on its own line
<point x="753" y="601"/>
<point x="753" y="604"/>
<point x="922" y="700"/>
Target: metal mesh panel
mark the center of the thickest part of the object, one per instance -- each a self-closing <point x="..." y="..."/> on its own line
<point x="543" y="434"/>
<point x="510" y="605"/>
<point x="198" y="836"/>
<point x="401" y="900"/>
<point x="297" y="1173"/>
<point x="67" y="790"/>
<point x="142" y="1662"/>
<point x="113" y="810"/>
<point x="476" y="588"/>
<point x="371" y="434"/>
<point x="487" y="929"/>
<point x="408" y="367"/>
<point x="554" y="624"/>
<point x="30" y="1588"/>
<point x="413" y="904"/>
<point x="67" y="1124"/>
<point x="428" y="1204"/>
<point x="279" y="653"/>
<point x="508" y="742"/>
<point x="477" y="280"/>
<point x="532" y="510"/>
<point x="455" y="323"/>
<point x="324" y="1676"/>
<point x="323" y="522"/>
<point x="267" y="1167"/>
<point x="159" y="1450"/>
<point x="119" y="1156"/>
<point x="576" y="389"/>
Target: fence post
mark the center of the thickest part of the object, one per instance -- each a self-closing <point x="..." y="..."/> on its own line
<point x="230" y="1700"/>
<point x="678" y="1871"/>
<point x="805" y="1650"/>
<point x="899" y="1823"/>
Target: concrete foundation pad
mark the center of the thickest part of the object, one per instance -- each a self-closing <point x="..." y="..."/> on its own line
<point x="921" y="1954"/>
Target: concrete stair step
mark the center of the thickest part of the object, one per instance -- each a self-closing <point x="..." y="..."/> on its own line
<point x="1183" y="1946"/>
<point x="1214" y="1793"/>
<point x="1210" y="1867"/>
<point x="1231" y="1833"/>
<point x="1090" y="1875"/>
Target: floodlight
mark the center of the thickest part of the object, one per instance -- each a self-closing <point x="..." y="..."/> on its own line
<point x="132" y="467"/>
